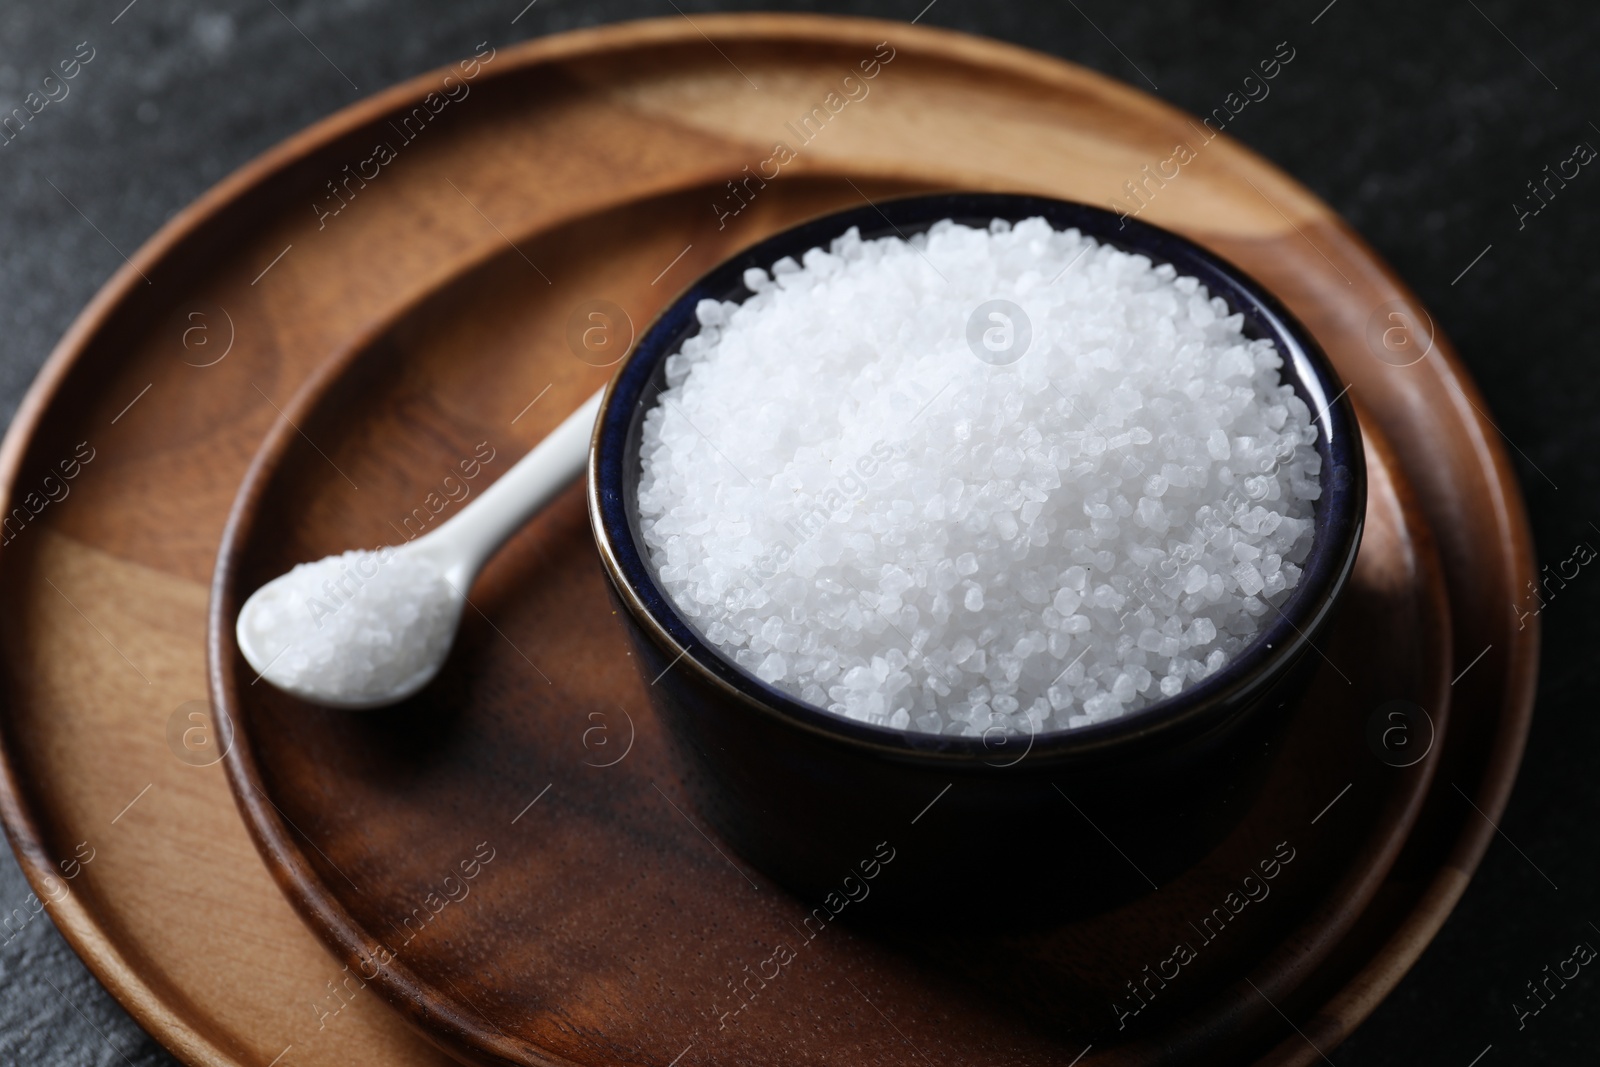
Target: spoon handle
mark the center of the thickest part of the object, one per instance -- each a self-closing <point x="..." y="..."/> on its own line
<point x="469" y="539"/>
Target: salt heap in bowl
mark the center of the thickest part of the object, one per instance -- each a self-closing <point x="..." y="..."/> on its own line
<point x="1089" y="506"/>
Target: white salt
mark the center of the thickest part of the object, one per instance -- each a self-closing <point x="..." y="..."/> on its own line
<point x="860" y="507"/>
<point x="354" y="627"/>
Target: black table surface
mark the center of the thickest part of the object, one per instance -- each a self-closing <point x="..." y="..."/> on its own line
<point x="1420" y="122"/>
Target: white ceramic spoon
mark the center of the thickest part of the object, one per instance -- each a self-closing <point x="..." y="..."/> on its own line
<point x="455" y="552"/>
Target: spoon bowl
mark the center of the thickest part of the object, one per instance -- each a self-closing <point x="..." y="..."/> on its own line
<point x="263" y="647"/>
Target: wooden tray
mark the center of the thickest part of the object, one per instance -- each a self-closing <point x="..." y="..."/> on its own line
<point x="615" y="139"/>
<point x="604" y="902"/>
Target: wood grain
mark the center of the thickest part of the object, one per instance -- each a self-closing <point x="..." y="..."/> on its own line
<point x="176" y="913"/>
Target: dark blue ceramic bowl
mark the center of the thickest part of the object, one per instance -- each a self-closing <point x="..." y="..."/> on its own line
<point x="818" y="801"/>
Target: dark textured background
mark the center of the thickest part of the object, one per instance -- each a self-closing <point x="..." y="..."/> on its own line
<point x="1419" y="121"/>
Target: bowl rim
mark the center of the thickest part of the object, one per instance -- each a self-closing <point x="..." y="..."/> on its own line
<point x="1338" y="516"/>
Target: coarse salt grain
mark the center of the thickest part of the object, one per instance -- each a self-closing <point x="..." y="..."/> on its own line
<point x="354" y="627"/>
<point x="855" y="509"/>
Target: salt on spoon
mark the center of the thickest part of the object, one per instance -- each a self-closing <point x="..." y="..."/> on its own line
<point x="366" y="629"/>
